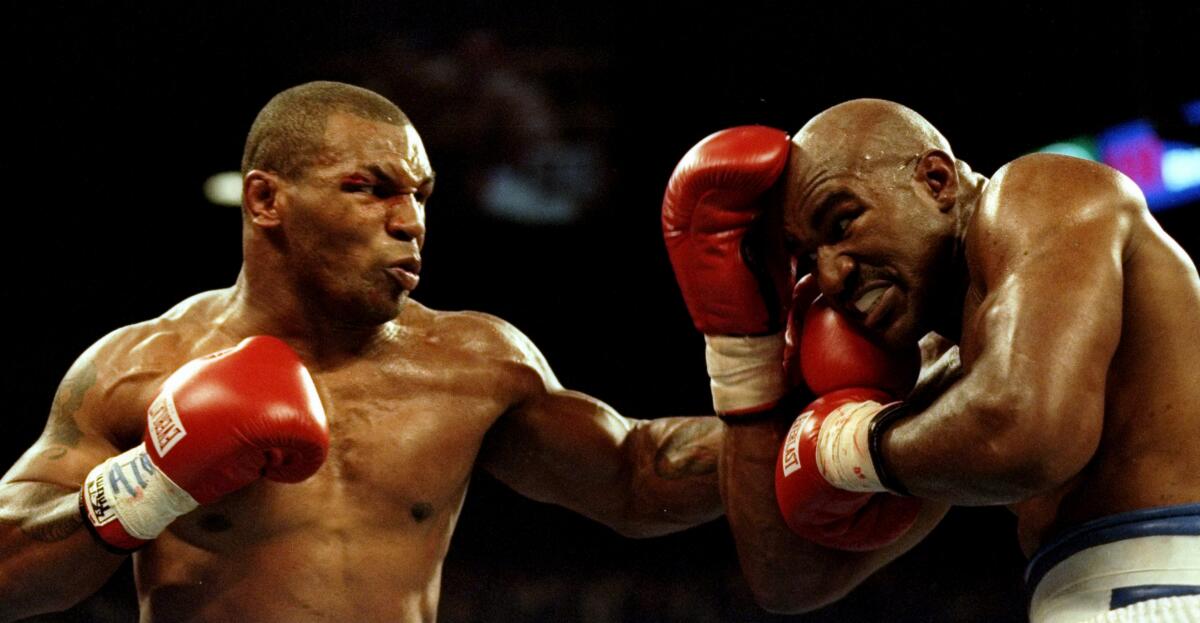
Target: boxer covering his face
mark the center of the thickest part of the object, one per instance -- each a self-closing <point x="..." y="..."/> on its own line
<point x="1069" y="394"/>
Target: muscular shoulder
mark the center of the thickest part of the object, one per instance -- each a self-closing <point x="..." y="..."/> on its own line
<point x="1042" y="199"/>
<point x="183" y="332"/>
<point x="1062" y="177"/>
<point x="118" y="375"/>
<point x="482" y="335"/>
<point x="1048" y="188"/>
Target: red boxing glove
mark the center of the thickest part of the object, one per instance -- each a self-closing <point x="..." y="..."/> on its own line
<point x="827" y="481"/>
<point x="803" y="295"/>
<point x="218" y="424"/>
<point x="735" y="284"/>
<point x="835" y="355"/>
<point x="829" y="515"/>
<point x="714" y="196"/>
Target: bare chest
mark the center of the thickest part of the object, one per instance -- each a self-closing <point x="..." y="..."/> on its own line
<point x="404" y="435"/>
<point x="408" y="427"/>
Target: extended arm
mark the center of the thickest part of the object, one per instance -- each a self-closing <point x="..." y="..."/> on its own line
<point x="641" y="477"/>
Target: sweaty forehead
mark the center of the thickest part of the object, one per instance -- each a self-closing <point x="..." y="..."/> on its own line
<point x="823" y="166"/>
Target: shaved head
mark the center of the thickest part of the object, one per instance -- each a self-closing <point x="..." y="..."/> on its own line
<point x="871" y="200"/>
<point x="859" y="134"/>
<point x="860" y="139"/>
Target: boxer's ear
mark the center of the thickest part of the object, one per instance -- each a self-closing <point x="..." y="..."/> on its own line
<point x="937" y="178"/>
<point x="261" y="197"/>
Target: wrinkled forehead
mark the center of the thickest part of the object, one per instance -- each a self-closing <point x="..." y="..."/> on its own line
<point x="833" y="160"/>
<point x="816" y="167"/>
<point x="353" y="140"/>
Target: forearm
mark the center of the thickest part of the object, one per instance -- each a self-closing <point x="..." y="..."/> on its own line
<point x="48" y="561"/>
<point x="785" y="572"/>
<point x="984" y="442"/>
<point x="674" y="477"/>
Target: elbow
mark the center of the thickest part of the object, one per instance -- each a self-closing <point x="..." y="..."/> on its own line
<point x="794" y="580"/>
<point x="28" y="587"/>
<point x="635" y="530"/>
<point x="17" y="605"/>
<point x="791" y="602"/>
<point x="19" y="601"/>
<point x="634" y="518"/>
<point x="792" y="595"/>
<point x="635" y="524"/>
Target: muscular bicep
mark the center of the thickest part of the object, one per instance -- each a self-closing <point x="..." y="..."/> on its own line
<point x="640" y="477"/>
<point x="1043" y="336"/>
<point x="49" y="562"/>
<point x="91" y="418"/>
<point x="550" y="442"/>
<point x="1046" y="252"/>
<point x="552" y="446"/>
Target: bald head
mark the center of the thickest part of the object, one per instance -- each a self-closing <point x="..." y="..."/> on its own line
<point x="859" y="133"/>
<point x="873" y="197"/>
<point x="288" y="132"/>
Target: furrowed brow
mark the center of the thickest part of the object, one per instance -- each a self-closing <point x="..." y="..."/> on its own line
<point x="825" y="206"/>
<point x="379" y="174"/>
<point x="377" y="171"/>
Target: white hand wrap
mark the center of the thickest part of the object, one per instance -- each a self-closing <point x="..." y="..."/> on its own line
<point x="746" y="372"/>
<point x="128" y="488"/>
<point x="844" y="447"/>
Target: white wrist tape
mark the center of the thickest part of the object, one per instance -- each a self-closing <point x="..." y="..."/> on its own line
<point x="128" y="488"/>
<point x="746" y="372"/>
<point x="844" y="447"/>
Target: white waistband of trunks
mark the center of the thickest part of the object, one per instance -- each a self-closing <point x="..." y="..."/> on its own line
<point x="1163" y="610"/>
<point x="1097" y="571"/>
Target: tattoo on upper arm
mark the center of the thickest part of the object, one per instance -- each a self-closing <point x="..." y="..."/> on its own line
<point x="62" y="428"/>
<point x="690" y="448"/>
<point x="54" y="453"/>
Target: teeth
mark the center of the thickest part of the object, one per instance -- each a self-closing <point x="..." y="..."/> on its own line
<point x="868" y="299"/>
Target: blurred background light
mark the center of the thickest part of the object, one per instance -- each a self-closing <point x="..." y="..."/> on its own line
<point x="224" y="189"/>
<point x="1167" y="171"/>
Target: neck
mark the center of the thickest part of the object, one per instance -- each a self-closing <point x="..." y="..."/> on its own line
<point x="264" y="303"/>
<point x="971" y="186"/>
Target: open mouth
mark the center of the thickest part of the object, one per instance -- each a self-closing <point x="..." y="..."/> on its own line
<point x="876" y="303"/>
<point x="868" y="299"/>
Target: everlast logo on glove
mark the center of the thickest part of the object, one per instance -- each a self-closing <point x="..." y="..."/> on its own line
<point x="165" y="428"/>
<point x="791" y="447"/>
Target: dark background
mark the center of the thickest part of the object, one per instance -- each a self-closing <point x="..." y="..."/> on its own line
<point x="118" y="115"/>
